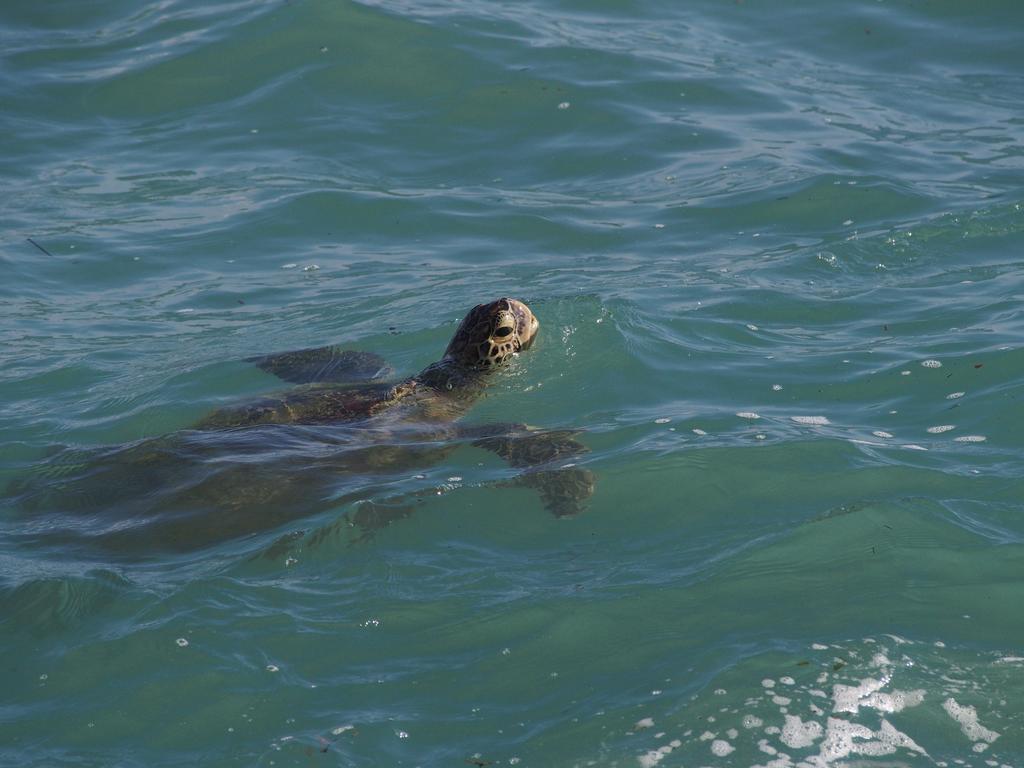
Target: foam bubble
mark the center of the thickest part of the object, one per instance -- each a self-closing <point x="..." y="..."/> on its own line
<point x="970" y="439"/>
<point x="748" y="415"/>
<point x="939" y="429"/>
<point x="955" y="395"/>
<point x="699" y="432"/>
<point x="652" y="758"/>
<point x="776" y="387"/>
<point x="796" y="734"/>
<point x="815" y="420"/>
<point x="967" y="718"/>
<point x="721" y="748"/>
<point x="752" y="721"/>
<point x="880" y="433"/>
<point x="662" y="420"/>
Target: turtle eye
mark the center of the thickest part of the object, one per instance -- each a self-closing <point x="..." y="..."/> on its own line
<point x="503" y="331"/>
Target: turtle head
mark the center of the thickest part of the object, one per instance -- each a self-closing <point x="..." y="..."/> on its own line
<point x="492" y="333"/>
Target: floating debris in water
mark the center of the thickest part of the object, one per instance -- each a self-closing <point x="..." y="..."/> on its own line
<point x="931" y="364"/>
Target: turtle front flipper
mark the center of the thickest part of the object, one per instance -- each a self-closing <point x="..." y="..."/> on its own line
<point x="325" y="365"/>
<point x="546" y="456"/>
<point x="564" y="491"/>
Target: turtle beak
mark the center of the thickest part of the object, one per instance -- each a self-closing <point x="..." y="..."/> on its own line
<point x="529" y="323"/>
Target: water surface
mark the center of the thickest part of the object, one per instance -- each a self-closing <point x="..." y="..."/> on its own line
<point x="776" y="255"/>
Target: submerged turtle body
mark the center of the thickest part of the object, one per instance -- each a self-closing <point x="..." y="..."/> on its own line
<point x="265" y="463"/>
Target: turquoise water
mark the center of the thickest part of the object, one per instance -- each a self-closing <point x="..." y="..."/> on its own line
<point x="777" y="252"/>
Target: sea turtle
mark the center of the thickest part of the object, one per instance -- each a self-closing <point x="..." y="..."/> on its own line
<point x="261" y="464"/>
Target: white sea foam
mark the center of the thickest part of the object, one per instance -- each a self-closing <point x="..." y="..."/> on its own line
<point x="721" y="748"/>
<point x="967" y="718"/>
<point x="792" y="731"/>
<point x="815" y="420"/>
<point x="796" y="734"/>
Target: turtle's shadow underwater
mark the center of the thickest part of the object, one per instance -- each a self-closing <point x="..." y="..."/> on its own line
<point x="337" y="437"/>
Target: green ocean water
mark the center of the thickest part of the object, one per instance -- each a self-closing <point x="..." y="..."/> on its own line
<point x="777" y="254"/>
